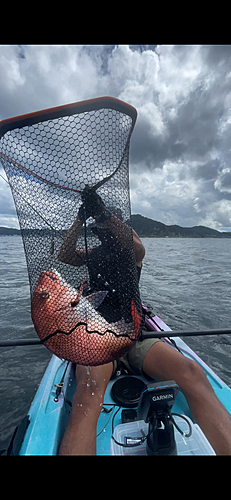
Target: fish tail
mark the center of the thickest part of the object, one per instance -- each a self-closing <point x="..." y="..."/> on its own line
<point x="137" y="318"/>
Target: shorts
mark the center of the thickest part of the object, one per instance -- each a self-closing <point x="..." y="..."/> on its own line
<point x="133" y="359"/>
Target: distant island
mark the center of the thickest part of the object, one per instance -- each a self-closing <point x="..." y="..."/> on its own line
<point x="9" y="231"/>
<point x="149" y="228"/>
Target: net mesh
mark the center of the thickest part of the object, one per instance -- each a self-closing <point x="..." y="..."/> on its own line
<point x="69" y="177"/>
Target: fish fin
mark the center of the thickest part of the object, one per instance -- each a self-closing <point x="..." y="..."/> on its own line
<point x="96" y="299"/>
<point x="137" y="318"/>
<point x="79" y="295"/>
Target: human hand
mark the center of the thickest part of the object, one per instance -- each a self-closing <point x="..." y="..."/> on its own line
<point x="92" y="202"/>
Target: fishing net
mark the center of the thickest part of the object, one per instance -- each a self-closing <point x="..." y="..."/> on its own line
<point x="68" y="169"/>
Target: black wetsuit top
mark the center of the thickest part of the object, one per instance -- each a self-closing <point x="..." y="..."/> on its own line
<point x="112" y="268"/>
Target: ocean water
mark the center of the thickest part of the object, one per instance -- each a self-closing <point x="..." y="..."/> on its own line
<point x="187" y="282"/>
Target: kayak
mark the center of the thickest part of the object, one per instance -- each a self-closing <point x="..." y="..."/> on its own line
<point x="59" y="158"/>
<point x="120" y="431"/>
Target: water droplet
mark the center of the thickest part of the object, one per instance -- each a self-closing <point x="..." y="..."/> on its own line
<point x="92" y="393"/>
<point x="88" y="385"/>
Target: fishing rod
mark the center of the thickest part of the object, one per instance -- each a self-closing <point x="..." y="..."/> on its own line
<point x="28" y="203"/>
<point x="144" y="335"/>
<point x="46" y="181"/>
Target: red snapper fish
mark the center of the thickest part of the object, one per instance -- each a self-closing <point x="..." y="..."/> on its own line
<point x="70" y="326"/>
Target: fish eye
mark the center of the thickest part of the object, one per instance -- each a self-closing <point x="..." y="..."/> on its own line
<point x="44" y="294"/>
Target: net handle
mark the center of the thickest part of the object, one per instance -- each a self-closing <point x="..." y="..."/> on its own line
<point x="67" y="110"/>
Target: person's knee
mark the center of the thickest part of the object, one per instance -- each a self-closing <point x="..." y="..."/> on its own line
<point x="193" y="377"/>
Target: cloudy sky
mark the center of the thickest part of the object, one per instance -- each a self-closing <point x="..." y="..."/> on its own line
<point x="180" y="160"/>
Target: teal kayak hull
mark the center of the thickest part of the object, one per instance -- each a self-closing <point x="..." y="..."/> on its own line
<point x="48" y="414"/>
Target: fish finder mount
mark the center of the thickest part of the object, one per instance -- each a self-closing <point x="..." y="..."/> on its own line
<point x="154" y="408"/>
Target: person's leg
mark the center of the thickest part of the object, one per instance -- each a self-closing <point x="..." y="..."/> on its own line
<point x="80" y="433"/>
<point x="162" y="362"/>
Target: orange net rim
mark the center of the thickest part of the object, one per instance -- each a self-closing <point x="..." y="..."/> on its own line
<point x="67" y="110"/>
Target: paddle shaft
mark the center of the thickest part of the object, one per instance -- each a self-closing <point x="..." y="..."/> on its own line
<point x="144" y="335"/>
<point x="19" y="342"/>
<point x="194" y="333"/>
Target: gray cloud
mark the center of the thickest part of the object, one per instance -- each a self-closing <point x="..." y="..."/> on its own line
<point x="180" y="161"/>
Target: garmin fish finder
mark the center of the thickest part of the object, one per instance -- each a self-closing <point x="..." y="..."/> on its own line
<point x="154" y="408"/>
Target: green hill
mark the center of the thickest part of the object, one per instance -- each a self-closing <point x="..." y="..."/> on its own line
<point x="150" y="228"/>
<point x="10" y="231"/>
